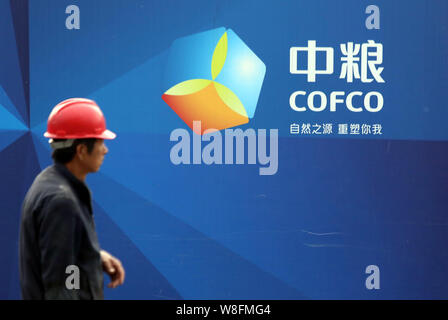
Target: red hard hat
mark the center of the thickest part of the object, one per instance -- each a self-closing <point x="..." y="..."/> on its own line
<point x="77" y="118"/>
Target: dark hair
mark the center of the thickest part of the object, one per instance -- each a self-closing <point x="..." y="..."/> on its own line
<point x="67" y="154"/>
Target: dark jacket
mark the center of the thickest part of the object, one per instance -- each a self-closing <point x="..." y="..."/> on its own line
<point x="57" y="230"/>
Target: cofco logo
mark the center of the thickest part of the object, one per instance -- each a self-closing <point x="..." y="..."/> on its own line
<point x="214" y="82"/>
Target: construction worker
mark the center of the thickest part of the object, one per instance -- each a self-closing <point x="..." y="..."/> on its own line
<point x="59" y="253"/>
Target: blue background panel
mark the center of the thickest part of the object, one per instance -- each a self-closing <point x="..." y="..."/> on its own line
<point x="335" y="206"/>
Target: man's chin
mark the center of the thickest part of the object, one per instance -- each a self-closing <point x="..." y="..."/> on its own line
<point x="95" y="169"/>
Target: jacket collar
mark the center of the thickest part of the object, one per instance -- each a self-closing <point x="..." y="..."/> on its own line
<point x="80" y="188"/>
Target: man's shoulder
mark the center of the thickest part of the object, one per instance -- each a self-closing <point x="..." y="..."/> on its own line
<point x="50" y="178"/>
<point x="51" y="201"/>
<point x="49" y="185"/>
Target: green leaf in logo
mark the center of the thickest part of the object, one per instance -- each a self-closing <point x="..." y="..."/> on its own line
<point x="219" y="56"/>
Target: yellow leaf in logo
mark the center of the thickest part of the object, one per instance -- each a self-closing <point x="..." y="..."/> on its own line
<point x="219" y="56"/>
<point x="230" y="99"/>
<point x="188" y="87"/>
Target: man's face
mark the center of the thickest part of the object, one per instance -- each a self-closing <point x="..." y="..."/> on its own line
<point x="93" y="161"/>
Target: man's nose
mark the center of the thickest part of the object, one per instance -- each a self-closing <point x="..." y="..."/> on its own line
<point x="106" y="149"/>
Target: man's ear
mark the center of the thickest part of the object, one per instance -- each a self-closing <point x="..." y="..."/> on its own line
<point x="81" y="150"/>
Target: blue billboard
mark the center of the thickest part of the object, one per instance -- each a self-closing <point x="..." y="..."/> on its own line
<point x="264" y="150"/>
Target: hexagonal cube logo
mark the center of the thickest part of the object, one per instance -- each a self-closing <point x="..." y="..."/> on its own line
<point x="215" y="78"/>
